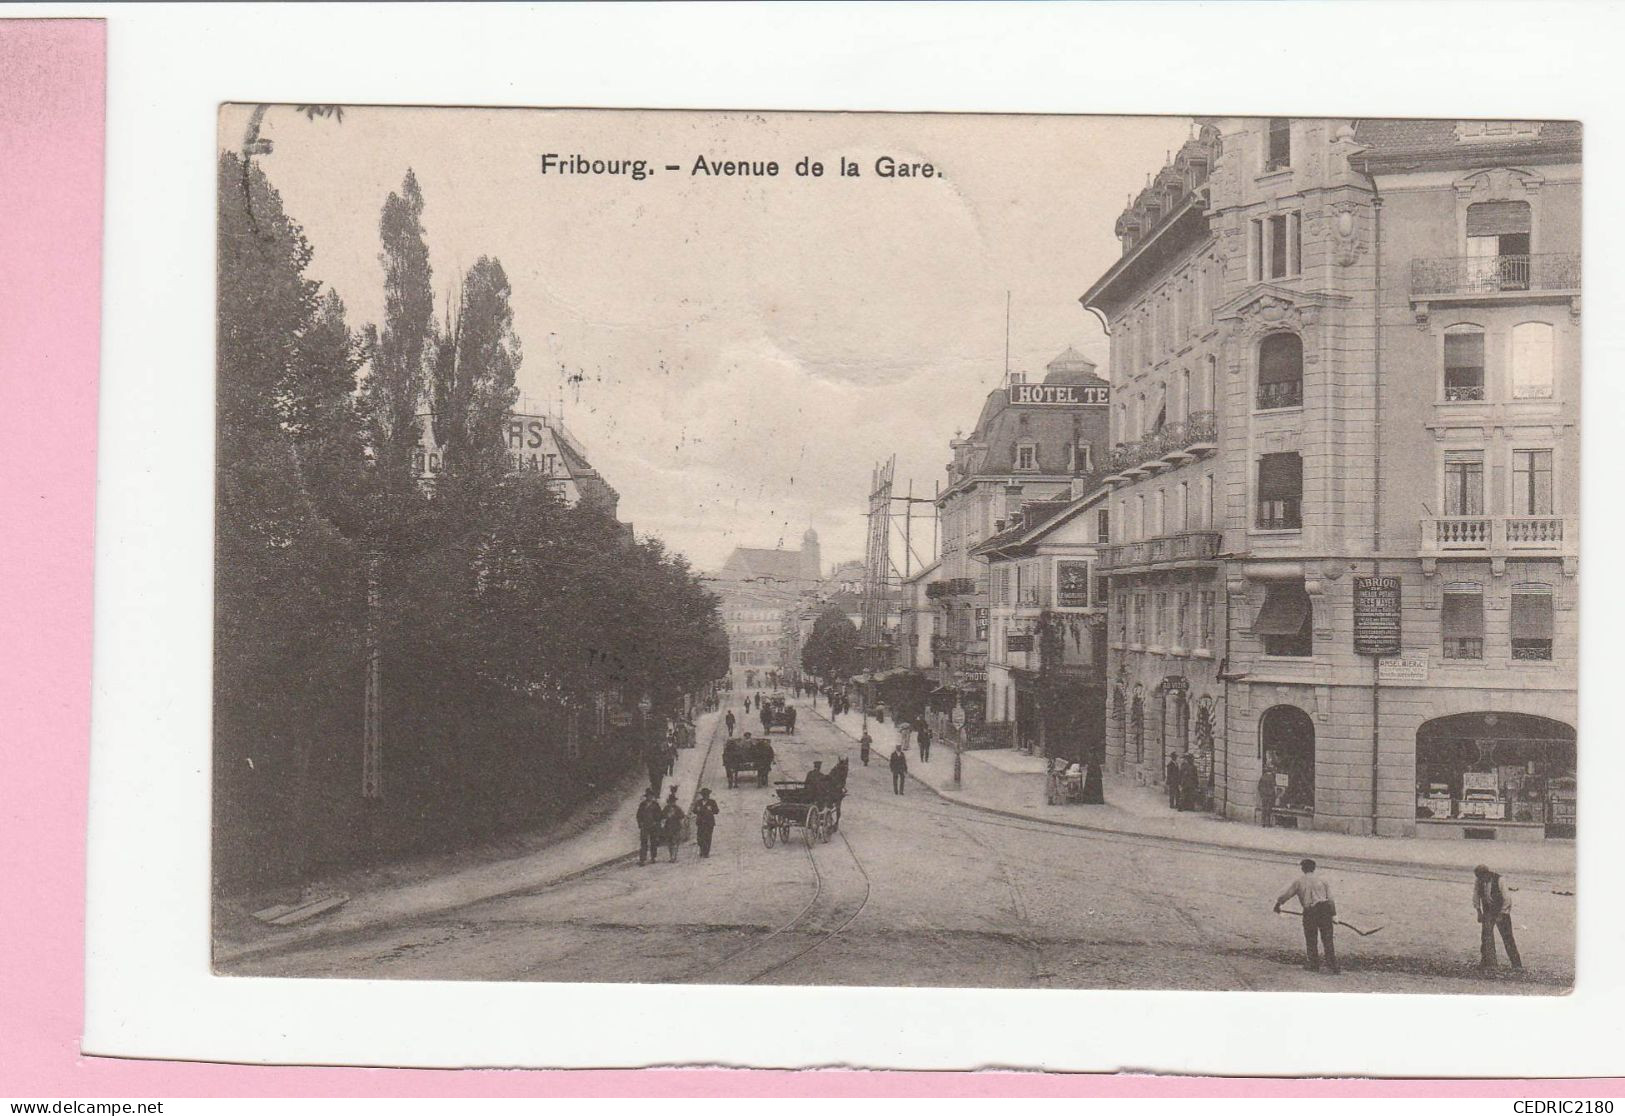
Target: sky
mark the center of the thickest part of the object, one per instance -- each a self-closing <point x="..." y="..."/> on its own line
<point x="736" y="353"/>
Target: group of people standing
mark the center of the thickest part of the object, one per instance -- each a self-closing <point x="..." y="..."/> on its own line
<point x="1184" y="783"/>
<point x="663" y="824"/>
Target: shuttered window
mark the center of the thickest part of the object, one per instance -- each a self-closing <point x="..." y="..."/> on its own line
<point x="1462" y="621"/>
<point x="1280" y="491"/>
<point x="1464" y="364"/>
<point x="1531" y="622"/>
<point x="1502" y="218"/>
<point x="1280" y="371"/>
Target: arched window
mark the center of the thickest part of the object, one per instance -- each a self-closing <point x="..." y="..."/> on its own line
<point x="1464" y="364"/>
<point x="1286" y="738"/>
<point x="1280" y="372"/>
<point x="1498" y="245"/>
<point x="1532" y="361"/>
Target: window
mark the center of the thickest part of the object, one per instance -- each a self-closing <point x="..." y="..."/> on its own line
<point x="1464" y="482"/>
<point x="1121" y="619"/>
<point x="1205" y="600"/>
<point x="1027" y="457"/>
<point x="1280" y="492"/>
<point x="1083" y="460"/>
<point x="1182" y="506"/>
<point x="1159" y="513"/>
<point x="1102" y="525"/>
<point x="1161" y="613"/>
<point x="1463" y="364"/>
<point x="1532" y="361"/>
<point x="1182" y="620"/>
<point x="1139" y="516"/>
<point x="1280" y="372"/>
<point x="1206" y="510"/>
<point x="1532" y="622"/>
<point x="1139" y="618"/>
<point x="1532" y="482"/>
<point x="1278" y="144"/>
<point x="1285" y="623"/>
<point x="1462" y="620"/>
<point x="1275" y="246"/>
<point x="1498" y="246"/>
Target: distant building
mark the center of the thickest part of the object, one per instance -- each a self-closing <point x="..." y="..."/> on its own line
<point x="1030" y="443"/>
<point x="763" y="594"/>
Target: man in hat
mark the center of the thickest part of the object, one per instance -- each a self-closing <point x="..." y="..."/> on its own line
<point x="1266" y="796"/>
<point x="1494" y="912"/>
<point x="899" y="769"/>
<point x="671" y="822"/>
<point x="1171" y="778"/>
<point x="648" y="826"/>
<point x="1319" y="912"/>
<point x="705" y="819"/>
<point x="730" y="722"/>
<point x="815" y="781"/>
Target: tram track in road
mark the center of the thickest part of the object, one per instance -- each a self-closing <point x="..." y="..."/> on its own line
<point x="783" y="946"/>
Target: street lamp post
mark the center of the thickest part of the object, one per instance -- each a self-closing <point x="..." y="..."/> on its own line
<point x="958" y="719"/>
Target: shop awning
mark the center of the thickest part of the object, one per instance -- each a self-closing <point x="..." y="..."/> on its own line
<point x="1463" y="615"/>
<point x="1285" y="611"/>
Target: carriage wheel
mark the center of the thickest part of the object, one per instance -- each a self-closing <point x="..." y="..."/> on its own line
<point x="769" y="835"/>
<point x="827" y="829"/>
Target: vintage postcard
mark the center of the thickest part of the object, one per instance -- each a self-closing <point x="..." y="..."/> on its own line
<point x="881" y="549"/>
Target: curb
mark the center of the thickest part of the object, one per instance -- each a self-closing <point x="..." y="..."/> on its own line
<point x="331" y="936"/>
<point x="1188" y="842"/>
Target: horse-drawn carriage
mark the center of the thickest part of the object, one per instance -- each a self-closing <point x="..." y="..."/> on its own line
<point x="777" y="714"/>
<point x="742" y="757"/>
<point x="816" y="813"/>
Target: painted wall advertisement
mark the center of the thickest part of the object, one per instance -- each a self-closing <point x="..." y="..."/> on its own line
<point x="1376" y="615"/>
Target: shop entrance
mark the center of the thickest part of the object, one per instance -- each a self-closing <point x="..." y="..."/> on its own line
<point x="1287" y="745"/>
<point x="1490" y="770"/>
<point x="1027" y="728"/>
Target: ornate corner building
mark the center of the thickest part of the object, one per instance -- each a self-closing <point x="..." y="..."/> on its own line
<point x="1344" y="555"/>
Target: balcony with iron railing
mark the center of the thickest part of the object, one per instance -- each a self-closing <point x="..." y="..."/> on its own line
<point x="1169" y="447"/>
<point x="1499" y="535"/>
<point x="1183" y="547"/>
<point x="1469" y="277"/>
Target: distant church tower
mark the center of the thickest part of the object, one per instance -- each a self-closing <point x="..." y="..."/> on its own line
<point x="811" y="564"/>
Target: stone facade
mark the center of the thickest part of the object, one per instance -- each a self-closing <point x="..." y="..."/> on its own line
<point x="1389" y="335"/>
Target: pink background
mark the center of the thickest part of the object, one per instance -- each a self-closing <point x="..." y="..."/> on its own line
<point x="52" y="105"/>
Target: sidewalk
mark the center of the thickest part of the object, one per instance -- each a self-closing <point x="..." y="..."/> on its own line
<point x="612" y="838"/>
<point x="1011" y="783"/>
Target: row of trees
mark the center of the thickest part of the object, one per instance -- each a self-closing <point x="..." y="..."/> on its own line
<point x="503" y="619"/>
<point x="833" y="650"/>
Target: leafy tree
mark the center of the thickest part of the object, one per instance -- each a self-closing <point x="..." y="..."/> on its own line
<point x="832" y="649"/>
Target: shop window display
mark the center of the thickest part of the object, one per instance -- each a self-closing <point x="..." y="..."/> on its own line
<point x="1497" y="768"/>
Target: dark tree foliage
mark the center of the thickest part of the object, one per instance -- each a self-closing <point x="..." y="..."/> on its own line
<point x="476" y="358"/>
<point x="506" y="621"/>
<point x="832" y="648"/>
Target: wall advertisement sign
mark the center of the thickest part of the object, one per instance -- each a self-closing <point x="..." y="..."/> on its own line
<point x="1376" y="615"/>
<point x="1072" y="584"/>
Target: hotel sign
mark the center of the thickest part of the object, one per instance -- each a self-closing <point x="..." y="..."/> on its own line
<point x="1376" y="615"/>
<point x="1060" y="395"/>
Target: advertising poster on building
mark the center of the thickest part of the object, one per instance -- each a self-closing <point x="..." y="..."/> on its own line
<point x="1376" y="615"/>
<point x="1072" y="584"/>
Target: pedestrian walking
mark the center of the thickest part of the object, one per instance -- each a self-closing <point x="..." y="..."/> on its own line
<point x="1266" y="797"/>
<point x="1171" y="781"/>
<point x="925" y="739"/>
<point x="791" y="713"/>
<point x="766" y="717"/>
<point x="1319" y="913"/>
<point x="655" y="764"/>
<point x="1494" y="913"/>
<point x="865" y="742"/>
<point x="671" y="822"/>
<point x="648" y="826"/>
<point x="705" y="820"/>
<point x="899" y="769"/>
<point x="905" y="733"/>
<point x="730" y="722"/>
<point x="1188" y="782"/>
<point x="671" y="758"/>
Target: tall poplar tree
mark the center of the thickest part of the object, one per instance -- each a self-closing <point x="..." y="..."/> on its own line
<point x="476" y="359"/>
<point x="400" y="357"/>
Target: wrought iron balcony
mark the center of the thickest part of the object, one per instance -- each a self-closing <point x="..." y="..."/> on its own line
<point x="1283" y="393"/>
<point x="1468" y="276"/>
<point x="1174" y="444"/>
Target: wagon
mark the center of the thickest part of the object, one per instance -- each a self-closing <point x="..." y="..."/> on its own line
<point x="798" y="809"/>
<point x="777" y="715"/>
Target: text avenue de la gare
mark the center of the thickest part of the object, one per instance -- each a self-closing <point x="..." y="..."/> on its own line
<point x="884" y="166"/>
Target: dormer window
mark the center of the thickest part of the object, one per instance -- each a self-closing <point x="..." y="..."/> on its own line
<point x="1027" y="457"/>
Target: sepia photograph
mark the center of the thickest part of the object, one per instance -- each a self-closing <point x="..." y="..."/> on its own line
<point x="886" y="549"/>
